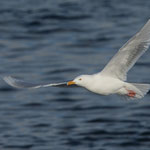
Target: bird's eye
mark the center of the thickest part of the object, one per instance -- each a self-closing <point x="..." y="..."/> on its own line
<point x="80" y="79"/>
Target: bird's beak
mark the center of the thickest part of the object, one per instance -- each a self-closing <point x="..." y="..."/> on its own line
<point x="71" y="83"/>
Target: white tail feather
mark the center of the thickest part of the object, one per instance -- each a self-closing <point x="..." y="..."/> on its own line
<point x="143" y="88"/>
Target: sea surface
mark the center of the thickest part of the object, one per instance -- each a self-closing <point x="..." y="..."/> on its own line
<point x="48" y="41"/>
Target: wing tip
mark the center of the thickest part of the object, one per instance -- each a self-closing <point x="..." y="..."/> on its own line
<point x="20" y="84"/>
<point x="10" y="81"/>
<point x="7" y="79"/>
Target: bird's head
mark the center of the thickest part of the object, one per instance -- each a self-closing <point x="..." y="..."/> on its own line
<point x="81" y="80"/>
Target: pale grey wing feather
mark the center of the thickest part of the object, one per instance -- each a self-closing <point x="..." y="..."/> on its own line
<point x="126" y="57"/>
<point x="17" y="83"/>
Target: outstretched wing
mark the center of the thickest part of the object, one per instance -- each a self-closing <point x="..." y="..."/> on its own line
<point x="22" y="84"/>
<point x="126" y="57"/>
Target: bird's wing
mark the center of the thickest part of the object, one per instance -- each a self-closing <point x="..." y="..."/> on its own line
<point x="17" y="83"/>
<point x="128" y="54"/>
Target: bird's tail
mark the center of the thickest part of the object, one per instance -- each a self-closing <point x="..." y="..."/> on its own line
<point x="140" y="89"/>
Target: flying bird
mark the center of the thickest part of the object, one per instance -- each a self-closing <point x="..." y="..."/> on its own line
<point x="112" y="79"/>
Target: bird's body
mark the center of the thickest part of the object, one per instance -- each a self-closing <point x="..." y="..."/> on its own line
<point x="101" y="84"/>
<point x="112" y="79"/>
<point x="106" y="85"/>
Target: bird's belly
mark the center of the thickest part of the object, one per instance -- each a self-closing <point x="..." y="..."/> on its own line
<point x="106" y="87"/>
<point x="103" y="90"/>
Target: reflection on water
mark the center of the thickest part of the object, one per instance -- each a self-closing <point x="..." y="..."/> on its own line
<point x="54" y="41"/>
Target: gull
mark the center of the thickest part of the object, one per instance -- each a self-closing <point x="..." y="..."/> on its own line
<point x="112" y="79"/>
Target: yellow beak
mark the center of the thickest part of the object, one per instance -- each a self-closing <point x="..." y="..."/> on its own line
<point x="71" y="83"/>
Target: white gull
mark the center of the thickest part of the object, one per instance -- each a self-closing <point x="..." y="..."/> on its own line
<point x="112" y="79"/>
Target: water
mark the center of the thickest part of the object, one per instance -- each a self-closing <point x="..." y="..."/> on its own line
<point x="47" y="41"/>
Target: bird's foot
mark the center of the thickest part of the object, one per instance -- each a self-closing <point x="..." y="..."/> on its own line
<point x="131" y="93"/>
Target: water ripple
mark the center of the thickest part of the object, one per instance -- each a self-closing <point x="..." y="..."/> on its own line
<point x="54" y="41"/>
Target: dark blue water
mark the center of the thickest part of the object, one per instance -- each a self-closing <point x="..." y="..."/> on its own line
<point x="46" y="41"/>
